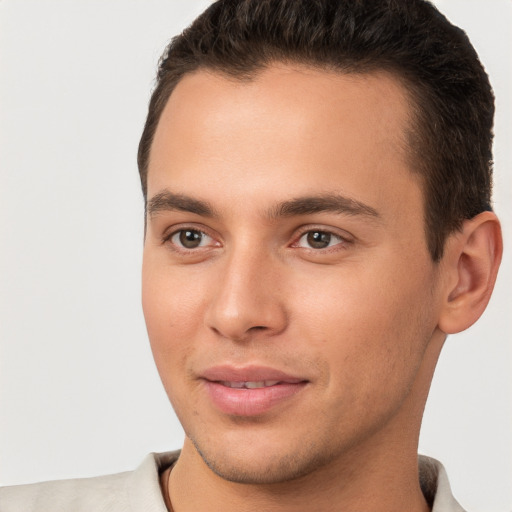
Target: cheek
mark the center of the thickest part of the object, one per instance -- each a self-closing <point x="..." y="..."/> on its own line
<point x="172" y="312"/>
<point x="372" y="326"/>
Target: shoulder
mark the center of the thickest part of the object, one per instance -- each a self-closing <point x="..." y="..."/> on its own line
<point x="99" y="493"/>
<point x="122" y="492"/>
<point x="436" y="487"/>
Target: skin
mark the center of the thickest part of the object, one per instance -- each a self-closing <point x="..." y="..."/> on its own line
<point x="362" y="320"/>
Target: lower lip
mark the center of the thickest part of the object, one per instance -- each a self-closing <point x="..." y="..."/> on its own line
<point x="250" y="402"/>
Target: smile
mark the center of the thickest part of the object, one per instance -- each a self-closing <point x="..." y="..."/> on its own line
<point x="250" y="390"/>
<point x="250" y="384"/>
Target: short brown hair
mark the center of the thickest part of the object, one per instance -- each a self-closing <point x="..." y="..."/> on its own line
<point x="453" y="103"/>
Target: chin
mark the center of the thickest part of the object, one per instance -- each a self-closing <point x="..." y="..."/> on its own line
<point x="263" y="467"/>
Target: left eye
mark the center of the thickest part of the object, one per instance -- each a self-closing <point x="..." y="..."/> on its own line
<point x="319" y="240"/>
<point x="190" y="239"/>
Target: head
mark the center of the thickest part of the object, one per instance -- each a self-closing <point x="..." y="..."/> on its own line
<point x="452" y="105"/>
<point x="317" y="176"/>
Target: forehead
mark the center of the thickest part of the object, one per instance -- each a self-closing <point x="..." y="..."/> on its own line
<point x="304" y="125"/>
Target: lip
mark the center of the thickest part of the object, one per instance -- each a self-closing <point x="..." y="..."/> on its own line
<point x="253" y="401"/>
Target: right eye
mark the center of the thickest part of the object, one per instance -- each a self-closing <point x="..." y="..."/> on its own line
<point x="191" y="239"/>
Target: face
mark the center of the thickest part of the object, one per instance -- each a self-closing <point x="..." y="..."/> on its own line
<point x="287" y="287"/>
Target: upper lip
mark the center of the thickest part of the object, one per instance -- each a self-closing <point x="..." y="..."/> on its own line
<point x="228" y="373"/>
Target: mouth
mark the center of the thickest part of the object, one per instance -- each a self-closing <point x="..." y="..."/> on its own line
<point x="250" y="391"/>
<point x="250" y="384"/>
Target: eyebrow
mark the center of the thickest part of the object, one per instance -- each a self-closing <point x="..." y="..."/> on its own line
<point x="167" y="201"/>
<point x="332" y="203"/>
<point x="307" y="205"/>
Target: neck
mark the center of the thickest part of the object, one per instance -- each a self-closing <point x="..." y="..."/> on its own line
<point x="369" y="486"/>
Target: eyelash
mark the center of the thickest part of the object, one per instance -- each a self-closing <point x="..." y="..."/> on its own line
<point x="168" y="239"/>
<point x="342" y="241"/>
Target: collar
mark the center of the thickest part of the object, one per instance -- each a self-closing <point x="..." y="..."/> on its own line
<point x="145" y="494"/>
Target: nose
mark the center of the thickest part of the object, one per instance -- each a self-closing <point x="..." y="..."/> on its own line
<point x="248" y="301"/>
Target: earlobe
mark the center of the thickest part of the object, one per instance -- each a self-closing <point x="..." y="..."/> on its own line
<point x="471" y="261"/>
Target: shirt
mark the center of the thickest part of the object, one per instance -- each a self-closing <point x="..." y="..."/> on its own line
<point x="139" y="490"/>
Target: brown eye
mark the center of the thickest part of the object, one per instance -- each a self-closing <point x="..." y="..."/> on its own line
<point x="318" y="239"/>
<point x="190" y="238"/>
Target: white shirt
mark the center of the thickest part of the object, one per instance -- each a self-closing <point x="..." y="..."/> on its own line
<point x="139" y="490"/>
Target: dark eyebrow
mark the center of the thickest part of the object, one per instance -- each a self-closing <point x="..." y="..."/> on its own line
<point x="167" y="201"/>
<point x="333" y="203"/>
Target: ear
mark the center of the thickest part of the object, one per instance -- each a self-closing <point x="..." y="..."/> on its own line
<point x="470" y="265"/>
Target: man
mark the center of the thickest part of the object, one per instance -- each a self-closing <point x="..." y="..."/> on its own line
<point x="317" y="187"/>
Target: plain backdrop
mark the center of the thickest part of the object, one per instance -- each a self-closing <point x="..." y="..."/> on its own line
<point x="79" y="395"/>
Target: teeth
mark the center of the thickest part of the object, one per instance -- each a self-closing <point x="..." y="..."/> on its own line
<point x="234" y="384"/>
<point x="251" y="384"/>
<point x="261" y="384"/>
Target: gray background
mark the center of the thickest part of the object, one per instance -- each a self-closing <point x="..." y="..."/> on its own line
<point x="79" y="395"/>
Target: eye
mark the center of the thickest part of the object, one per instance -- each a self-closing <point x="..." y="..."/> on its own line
<point x="316" y="239"/>
<point x="190" y="239"/>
